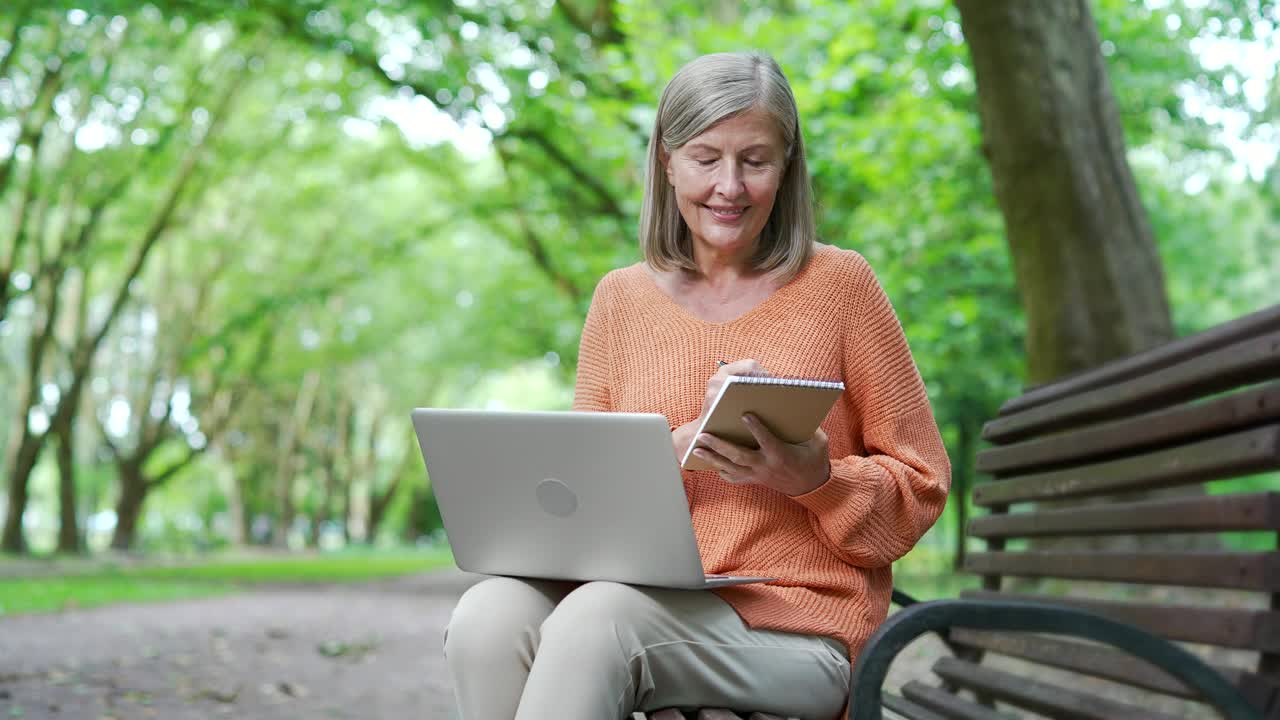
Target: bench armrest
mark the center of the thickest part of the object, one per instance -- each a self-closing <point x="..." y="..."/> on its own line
<point x="939" y="615"/>
<point x="904" y="600"/>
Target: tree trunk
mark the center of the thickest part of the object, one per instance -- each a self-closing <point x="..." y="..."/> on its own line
<point x="962" y="481"/>
<point x="133" y="493"/>
<point x="350" y="513"/>
<point x="424" y="514"/>
<point x="68" y="526"/>
<point x="88" y="508"/>
<point x="287" y="463"/>
<point x="416" y="522"/>
<point x="1091" y="281"/>
<point x="1090" y="277"/>
<point x="24" y="462"/>
<point x="237" y="515"/>
<point x="324" y="514"/>
<point x="378" y="505"/>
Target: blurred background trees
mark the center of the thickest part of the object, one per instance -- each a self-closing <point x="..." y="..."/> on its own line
<point x="237" y="246"/>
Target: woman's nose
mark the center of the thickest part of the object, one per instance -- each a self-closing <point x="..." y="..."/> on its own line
<point x="729" y="180"/>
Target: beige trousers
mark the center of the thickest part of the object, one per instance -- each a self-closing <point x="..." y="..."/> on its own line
<point x="534" y="650"/>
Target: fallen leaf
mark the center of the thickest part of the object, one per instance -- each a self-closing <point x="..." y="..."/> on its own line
<point x="332" y="648"/>
<point x="294" y="690"/>
<point x="338" y="648"/>
<point x="219" y="694"/>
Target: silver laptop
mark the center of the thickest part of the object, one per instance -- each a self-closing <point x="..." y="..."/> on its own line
<point x="563" y="495"/>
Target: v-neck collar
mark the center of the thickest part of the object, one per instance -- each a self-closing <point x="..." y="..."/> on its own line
<point x="650" y="283"/>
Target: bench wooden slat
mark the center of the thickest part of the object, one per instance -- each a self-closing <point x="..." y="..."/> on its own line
<point x="1223" y="570"/>
<point x="1233" y="455"/>
<point x="1107" y="663"/>
<point x="908" y="709"/>
<point x="1241" y="628"/>
<point x="1085" y="658"/>
<point x="1252" y="511"/>
<point x="1250" y="361"/>
<point x="948" y="705"/>
<point x="1228" y="333"/>
<point x="1180" y="424"/>
<point x="1037" y="696"/>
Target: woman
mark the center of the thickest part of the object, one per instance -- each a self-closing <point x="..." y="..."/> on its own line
<point x="732" y="273"/>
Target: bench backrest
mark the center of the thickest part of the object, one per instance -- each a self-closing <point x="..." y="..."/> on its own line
<point x="1156" y="531"/>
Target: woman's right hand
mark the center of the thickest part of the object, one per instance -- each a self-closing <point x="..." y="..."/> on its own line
<point x="684" y="435"/>
<point x="750" y="368"/>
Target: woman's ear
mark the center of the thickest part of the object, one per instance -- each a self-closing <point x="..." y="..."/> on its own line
<point x="664" y="157"/>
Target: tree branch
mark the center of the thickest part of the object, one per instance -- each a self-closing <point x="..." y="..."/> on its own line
<point x="162" y="477"/>
<point x="20" y="232"/>
<point x="537" y="249"/>
<point x="159" y="224"/>
<point x="608" y="204"/>
<point x="601" y="28"/>
<point x="15" y="38"/>
<point x="117" y="455"/>
<point x="37" y="114"/>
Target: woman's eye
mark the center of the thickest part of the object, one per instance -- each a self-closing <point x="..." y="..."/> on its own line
<point x="705" y="163"/>
<point x="756" y="163"/>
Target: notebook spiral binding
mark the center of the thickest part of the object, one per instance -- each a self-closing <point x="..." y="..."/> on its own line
<point x="794" y="382"/>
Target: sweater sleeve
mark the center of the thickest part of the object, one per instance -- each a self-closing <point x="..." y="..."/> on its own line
<point x="591" y="391"/>
<point x="877" y="505"/>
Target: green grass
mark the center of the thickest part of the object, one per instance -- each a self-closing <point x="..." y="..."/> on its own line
<point x="935" y="587"/>
<point x="105" y="582"/>
<point x="30" y="595"/>
<point x="335" y="567"/>
<point x="113" y="583"/>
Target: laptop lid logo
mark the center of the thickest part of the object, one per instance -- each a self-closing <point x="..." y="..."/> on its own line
<point x="556" y="498"/>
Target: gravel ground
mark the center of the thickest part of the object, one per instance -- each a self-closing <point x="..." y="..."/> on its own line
<point x="369" y="650"/>
<point x="341" y="651"/>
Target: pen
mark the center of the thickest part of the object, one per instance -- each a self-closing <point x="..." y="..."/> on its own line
<point x="721" y="363"/>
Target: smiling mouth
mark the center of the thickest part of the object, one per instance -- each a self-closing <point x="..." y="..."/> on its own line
<point x="726" y="213"/>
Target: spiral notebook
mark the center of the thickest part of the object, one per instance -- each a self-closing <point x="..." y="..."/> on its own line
<point x="792" y="408"/>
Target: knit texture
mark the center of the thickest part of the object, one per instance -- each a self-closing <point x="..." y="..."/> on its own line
<point x="829" y="549"/>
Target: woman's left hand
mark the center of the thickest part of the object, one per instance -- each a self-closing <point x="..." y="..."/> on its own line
<point x="789" y="469"/>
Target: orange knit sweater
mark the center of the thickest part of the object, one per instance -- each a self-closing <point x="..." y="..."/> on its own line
<point x="830" y="549"/>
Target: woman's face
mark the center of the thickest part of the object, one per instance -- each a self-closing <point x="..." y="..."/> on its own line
<point x="726" y="179"/>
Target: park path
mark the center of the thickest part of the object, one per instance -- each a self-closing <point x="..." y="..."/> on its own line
<point x="368" y="651"/>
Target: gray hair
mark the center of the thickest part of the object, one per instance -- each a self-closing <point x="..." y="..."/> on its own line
<point x="704" y="92"/>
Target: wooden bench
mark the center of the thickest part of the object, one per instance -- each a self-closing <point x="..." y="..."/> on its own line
<point x="1170" y="586"/>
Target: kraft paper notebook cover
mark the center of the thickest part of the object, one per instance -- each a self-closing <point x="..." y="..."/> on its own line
<point x="792" y="408"/>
